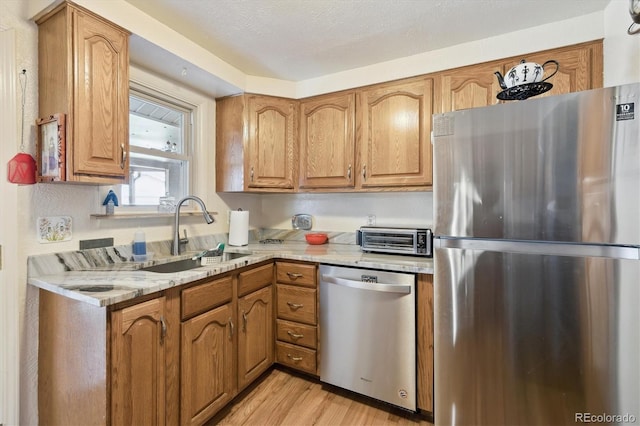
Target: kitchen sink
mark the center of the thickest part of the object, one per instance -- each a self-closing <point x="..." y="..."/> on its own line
<point x="187" y="264"/>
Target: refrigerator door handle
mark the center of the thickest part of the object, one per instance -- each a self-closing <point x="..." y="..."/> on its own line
<point x="541" y="247"/>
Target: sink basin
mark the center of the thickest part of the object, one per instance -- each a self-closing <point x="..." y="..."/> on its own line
<point x="187" y="264"/>
<point x="231" y="256"/>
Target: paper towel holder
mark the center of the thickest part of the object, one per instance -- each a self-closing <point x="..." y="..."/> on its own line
<point x="238" y="227"/>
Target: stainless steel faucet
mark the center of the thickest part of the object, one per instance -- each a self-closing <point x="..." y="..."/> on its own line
<point x="175" y="248"/>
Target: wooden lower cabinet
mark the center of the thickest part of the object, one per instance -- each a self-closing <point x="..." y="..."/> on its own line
<point x="207" y="379"/>
<point x="424" y="329"/>
<point x="227" y="346"/>
<point x="138" y="364"/>
<point x="255" y="335"/>
<point x="297" y="316"/>
<point x="180" y="357"/>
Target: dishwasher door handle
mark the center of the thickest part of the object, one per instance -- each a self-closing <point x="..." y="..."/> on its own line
<point x="387" y="288"/>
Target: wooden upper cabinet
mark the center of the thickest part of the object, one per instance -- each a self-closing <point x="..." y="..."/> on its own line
<point x="256" y="143"/>
<point x="470" y="87"/>
<point x="272" y="142"/>
<point x="84" y="73"/>
<point x="394" y="134"/>
<point x="477" y="86"/>
<point x="580" y="67"/>
<point x="327" y="141"/>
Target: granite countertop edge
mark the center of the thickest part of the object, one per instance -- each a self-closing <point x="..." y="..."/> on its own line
<point x="125" y="281"/>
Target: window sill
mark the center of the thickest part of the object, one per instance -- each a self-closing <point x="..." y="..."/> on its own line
<point x="146" y="215"/>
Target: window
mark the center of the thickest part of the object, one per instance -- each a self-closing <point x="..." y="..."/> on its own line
<point x="160" y="146"/>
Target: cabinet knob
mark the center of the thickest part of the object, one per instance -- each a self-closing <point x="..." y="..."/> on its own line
<point x="244" y="321"/>
<point x="349" y="172"/>
<point x="251" y="174"/>
<point x="364" y="172"/>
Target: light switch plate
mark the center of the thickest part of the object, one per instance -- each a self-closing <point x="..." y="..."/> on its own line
<point x="301" y="221"/>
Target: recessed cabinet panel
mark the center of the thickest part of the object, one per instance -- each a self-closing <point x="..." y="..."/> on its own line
<point x="470" y="87"/>
<point x="207" y="379"/>
<point x="255" y="336"/>
<point x="138" y="364"/>
<point x="272" y="127"/>
<point x="394" y="120"/>
<point x="327" y="141"/>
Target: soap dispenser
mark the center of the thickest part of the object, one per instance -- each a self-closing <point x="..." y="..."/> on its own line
<point x="139" y="244"/>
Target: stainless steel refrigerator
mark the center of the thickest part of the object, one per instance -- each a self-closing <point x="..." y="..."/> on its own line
<point x="537" y="270"/>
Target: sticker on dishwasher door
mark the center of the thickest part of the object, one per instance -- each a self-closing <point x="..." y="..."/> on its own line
<point x="369" y="278"/>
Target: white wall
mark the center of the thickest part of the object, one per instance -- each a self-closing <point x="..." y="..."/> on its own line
<point x="331" y="211"/>
<point x="621" y="50"/>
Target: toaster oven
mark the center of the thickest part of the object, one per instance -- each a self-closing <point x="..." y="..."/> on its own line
<point x="411" y="241"/>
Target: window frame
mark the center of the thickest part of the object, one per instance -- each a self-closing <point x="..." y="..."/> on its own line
<point x="202" y="169"/>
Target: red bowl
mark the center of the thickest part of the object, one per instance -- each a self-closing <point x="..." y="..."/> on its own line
<point x="317" y="238"/>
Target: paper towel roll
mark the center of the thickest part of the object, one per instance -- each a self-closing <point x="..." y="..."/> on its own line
<point x="238" y="228"/>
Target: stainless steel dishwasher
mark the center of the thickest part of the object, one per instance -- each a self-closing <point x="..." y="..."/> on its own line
<point x="368" y="333"/>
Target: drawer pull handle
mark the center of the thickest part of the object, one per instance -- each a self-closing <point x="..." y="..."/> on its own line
<point x="294" y="335"/>
<point x="295" y="306"/>
<point x="294" y="358"/>
<point x="294" y="276"/>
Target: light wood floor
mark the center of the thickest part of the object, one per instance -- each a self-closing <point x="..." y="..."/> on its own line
<point x="282" y="398"/>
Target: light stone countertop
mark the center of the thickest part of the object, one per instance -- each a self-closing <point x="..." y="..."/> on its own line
<point x="78" y="275"/>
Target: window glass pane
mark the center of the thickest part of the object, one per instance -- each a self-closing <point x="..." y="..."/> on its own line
<point x="155" y="126"/>
<point x="160" y="148"/>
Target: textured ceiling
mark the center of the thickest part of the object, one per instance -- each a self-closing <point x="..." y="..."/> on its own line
<point x="301" y="39"/>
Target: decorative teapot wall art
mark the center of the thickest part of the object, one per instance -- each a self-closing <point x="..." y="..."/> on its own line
<point x="525" y="73"/>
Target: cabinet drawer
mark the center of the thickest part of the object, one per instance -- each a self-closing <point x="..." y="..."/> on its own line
<point x="296" y="274"/>
<point x="296" y="357"/>
<point x="203" y="297"/>
<point x="254" y="279"/>
<point x="298" y="334"/>
<point x="296" y="303"/>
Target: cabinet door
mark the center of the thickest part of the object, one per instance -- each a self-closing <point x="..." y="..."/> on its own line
<point x="255" y="337"/>
<point x="327" y="141"/>
<point x="394" y="123"/>
<point x="272" y="142"/>
<point x="207" y="378"/>
<point x="101" y="100"/>
<point x="470" y="87"/>
<point x="424" y="313"/>
<point x="579" y="68"/>
<point x="138" y="364"/>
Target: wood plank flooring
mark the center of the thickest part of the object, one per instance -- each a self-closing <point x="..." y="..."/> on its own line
<point x="282" y="398"/>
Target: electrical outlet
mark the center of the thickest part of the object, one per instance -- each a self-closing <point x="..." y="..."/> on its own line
<point x="371" y="220"/>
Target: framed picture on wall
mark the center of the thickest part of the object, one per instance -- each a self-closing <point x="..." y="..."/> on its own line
<point x="50" y="154"/>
